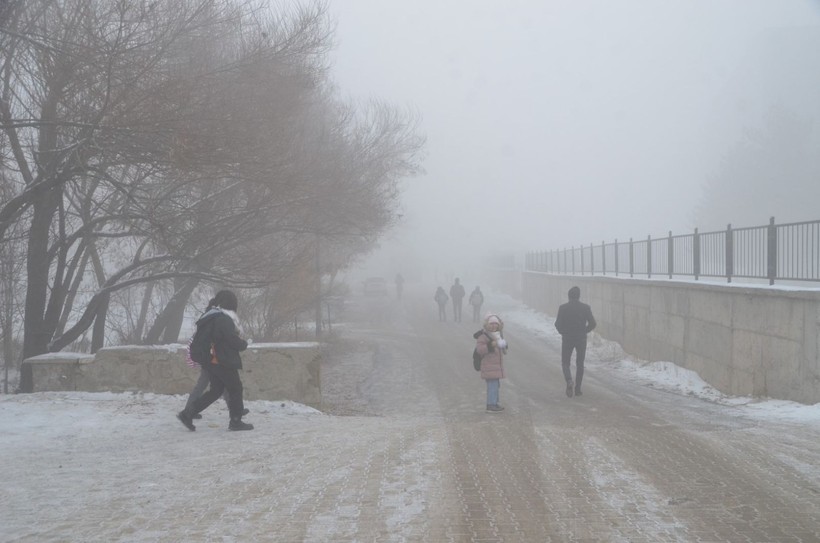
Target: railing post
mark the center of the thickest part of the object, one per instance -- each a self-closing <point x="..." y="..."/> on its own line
<point x="616" y="257"/>
<point x="591" y="260"/>
<point x="631" y="259"/>
<point x="771" y="249"/>
<point x="573" y="258"/>
<point x="730" y="253"/>
<point x="670" y="261"/>
<point x="696" y="254"/>
<point x="649" y="257"/>
<point x="581" y="251"/>
<point x="603" y="258"/>
<point x="566" y="268"/>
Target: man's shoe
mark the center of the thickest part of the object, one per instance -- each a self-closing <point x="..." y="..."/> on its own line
<point x="186" y="420"/>
<point x="570" y="386"/>
<point x="578" y="391"/>
<point x="197" y="416"/>
<point x="245" y="411"/>
<point x="237" y="425"/>
<point x="494" y="408"/>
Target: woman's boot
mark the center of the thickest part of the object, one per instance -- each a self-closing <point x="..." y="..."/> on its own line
<point x="237" y="424"/>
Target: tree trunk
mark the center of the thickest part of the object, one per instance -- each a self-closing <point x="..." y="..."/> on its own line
<point x="71" y="295"/>
<point x="8" y="280"/>
<point x="318" y="292"/>
<point x="177" y="311"/>
<point x="86" y="320"/>
<point x="45" y="202"/>
<point x="169" y="322"/>
<point x="98" y="333"/>
<point x="146" y="303"/>
<point x="8" y="335"/>
<point x="35" y="333"/>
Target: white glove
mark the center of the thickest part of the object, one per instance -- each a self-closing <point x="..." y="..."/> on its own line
<point x="502" y="344"/>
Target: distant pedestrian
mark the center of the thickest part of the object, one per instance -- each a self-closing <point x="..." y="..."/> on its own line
<point x="573" y="322"/>
<point x="457" y="294"/>
<point x="219" y="329"/>
<point x="399" y="286"/>
<point x="492" y="346"/>
<point x="476" y="300"/>
<point x="441" y="299"/>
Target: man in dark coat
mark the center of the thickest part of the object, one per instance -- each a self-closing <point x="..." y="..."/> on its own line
<point x="574" y="321"/>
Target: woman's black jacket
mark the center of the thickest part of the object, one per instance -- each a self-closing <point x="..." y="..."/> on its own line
<point x="226" y="340"/>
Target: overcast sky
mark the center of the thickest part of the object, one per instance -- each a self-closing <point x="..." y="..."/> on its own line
<point x="559" y="122"/>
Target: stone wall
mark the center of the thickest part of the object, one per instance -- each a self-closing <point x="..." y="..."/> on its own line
<point x="271" y="371"/>
<point x="743" y="340"/>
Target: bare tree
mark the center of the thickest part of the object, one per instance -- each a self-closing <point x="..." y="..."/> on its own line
<point x="81" y="82"/>
<point x="185" y="143"/>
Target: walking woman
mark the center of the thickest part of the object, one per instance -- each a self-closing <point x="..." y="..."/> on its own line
<point x="441" y="299"/>
<point x="215" y="347"/>
<point x="492" y="346"/>
<point x="476" y="300"/>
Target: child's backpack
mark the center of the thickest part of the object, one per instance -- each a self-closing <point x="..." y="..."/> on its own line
<point x="477" y="357"/>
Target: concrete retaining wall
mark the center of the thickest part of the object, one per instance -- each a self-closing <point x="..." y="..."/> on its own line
<point x="743" y="340"/>
<point x="272" y="371"/>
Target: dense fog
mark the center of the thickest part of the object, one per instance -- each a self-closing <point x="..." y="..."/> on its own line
<point x="559" y="123"/>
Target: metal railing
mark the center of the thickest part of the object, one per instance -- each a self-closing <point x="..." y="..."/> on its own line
<point x="785" y="252"/>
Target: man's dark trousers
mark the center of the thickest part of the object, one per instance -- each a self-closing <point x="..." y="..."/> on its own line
<point x="580" y="347"/>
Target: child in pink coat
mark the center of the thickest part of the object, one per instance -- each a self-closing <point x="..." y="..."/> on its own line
<point x="492" y="346"/>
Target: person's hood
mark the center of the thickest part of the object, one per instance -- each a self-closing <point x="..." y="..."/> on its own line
<point x="213" y="313"/>
<point x="210" y="314"/>
<point x="492" y="317"/>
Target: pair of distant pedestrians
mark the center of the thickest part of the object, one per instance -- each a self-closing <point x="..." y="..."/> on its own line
<point x="441" y="298"/>
<point x="457" y="294"/>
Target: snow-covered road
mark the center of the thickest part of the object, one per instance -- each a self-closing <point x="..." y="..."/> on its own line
<point x="405" y="452"/>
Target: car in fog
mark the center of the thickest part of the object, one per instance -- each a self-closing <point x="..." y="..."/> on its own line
<point x="375" y="287"/>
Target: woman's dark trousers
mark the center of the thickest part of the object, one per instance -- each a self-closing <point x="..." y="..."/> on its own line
<point x="221" y="378"/>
